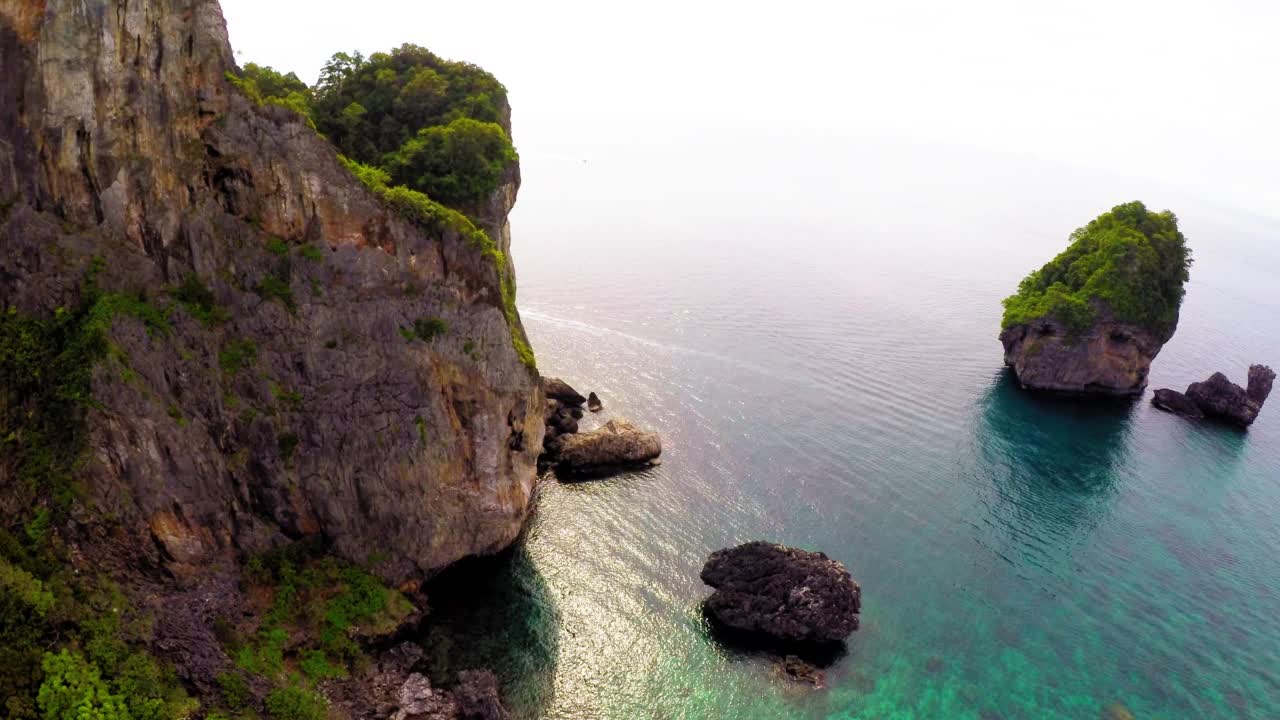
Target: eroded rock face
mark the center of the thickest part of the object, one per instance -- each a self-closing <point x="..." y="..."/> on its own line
<point x="1111" y="358"/>
<point x="1220" y="398"/>
<point x="782" y="593"/>
<point x="121" y="139"/>
<point x="616" y="446"/>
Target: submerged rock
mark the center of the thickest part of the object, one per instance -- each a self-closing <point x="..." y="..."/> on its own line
<point x="1220" y="398"/>
<point x="1176" y="403"/>
<point x="782" y="593"/>
<point x="1116" y="711"/>
<point x="593" y="403"/>
<point x="799" y="670"/>
<point x="618" y="445"/>
<point x="557" y="389"/>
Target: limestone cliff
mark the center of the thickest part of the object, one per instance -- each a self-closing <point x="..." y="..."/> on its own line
<point x="308" y="407"/>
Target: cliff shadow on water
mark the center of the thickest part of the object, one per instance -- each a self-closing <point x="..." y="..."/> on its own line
<point x="495" y="612"/>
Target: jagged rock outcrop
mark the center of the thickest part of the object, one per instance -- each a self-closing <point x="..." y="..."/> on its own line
<point x="1222" y="399"/>
<point x="619" y="445"/>
<point x="593" y="403"/>
<point x="1110" y="358"/>
<point x="307" y="412"/>
<point x="782" y="593"/>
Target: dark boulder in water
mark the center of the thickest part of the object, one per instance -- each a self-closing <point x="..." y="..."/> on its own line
<point x="782" y="593"/>
<point x="1220" y="398"/>
<point x="557" y="389"/>
<point x="1176" y="403"/>
<point x="593" y="403"/>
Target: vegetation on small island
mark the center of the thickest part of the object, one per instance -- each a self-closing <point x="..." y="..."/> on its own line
<point x="1129" y="260"/>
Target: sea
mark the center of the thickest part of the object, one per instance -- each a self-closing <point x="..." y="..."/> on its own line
<point x="810" y="321"/>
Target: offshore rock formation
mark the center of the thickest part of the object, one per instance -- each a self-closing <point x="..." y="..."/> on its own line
<point x="309" y="411"/>
<point x="1221" y="399"/>
<point x="782" y="593"/>
<point x="1110" y="358"/>
<point x="1090" y="321"/>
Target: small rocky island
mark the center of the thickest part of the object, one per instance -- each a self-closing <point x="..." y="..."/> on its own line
<point x="1092" y="319"/>
<point x="1219" y="398"/>
<point x="782" y="594"/>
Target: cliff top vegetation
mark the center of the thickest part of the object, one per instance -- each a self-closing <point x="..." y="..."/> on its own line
<point x="435" y="126"/>
<point x="1129" y="260"/>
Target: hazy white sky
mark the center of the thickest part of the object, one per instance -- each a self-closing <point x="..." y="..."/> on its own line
<point x="1180" y="92"/>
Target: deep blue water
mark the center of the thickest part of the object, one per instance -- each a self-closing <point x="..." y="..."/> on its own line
<point x="816" y="341"/>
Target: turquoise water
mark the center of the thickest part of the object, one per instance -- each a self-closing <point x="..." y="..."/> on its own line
<point x="824" y="369"/>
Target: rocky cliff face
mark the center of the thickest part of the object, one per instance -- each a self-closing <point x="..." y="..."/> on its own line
<point x="1110" y="358"/>
<point x="308" y="407"/>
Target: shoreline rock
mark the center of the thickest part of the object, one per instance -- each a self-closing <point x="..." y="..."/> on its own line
<point x="617" y="446"/>
<point x="593" y="403"/>
<point x="1221" y="399"/>
<point x="782" y="594"/>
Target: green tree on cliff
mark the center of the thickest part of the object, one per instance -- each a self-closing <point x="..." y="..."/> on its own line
<point x="456" y="164"/>
<point x="434" y="125"/>
<point x="1129" y="261"/>
<point x="372" y="107"/>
